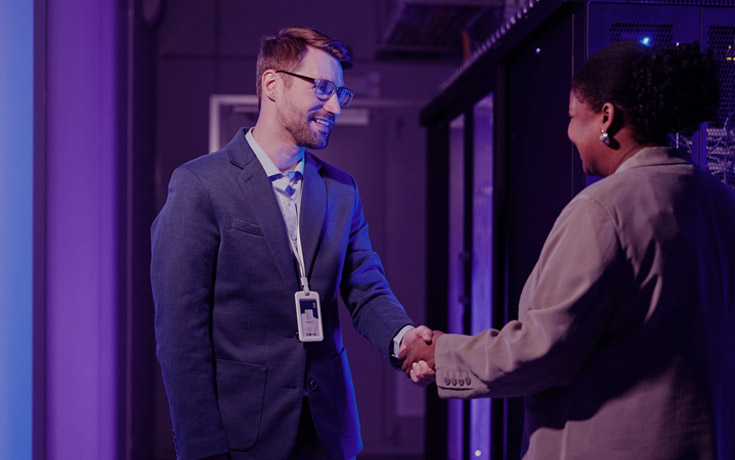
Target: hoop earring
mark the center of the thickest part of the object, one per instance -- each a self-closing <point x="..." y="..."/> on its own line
<point x="604" y="138"/>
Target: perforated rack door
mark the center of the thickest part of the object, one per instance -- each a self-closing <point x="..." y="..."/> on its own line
<point x="719" y="34"/>
<point x="649" y="33"/>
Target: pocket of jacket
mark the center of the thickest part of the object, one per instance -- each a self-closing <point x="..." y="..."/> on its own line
<point x="344" y="395"/>
<point x="240" y="396"/>
<point x="247" y="227"/>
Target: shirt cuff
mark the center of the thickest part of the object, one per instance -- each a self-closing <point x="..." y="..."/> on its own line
<point x="398" y="338"/>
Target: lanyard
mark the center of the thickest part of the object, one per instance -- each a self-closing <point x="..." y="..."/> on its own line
<point x="299" y="251"/>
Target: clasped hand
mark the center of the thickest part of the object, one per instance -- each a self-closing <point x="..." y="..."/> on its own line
<point x="417" y="355"/>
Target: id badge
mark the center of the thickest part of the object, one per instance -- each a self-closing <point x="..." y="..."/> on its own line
<point x="309" y="315"/>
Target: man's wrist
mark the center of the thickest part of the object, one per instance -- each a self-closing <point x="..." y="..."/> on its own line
<point x="398" y="338"/>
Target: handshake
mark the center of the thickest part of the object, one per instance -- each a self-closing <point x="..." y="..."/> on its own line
<point x="417" y="355"/>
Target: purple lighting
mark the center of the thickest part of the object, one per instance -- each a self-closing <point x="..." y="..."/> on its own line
<point x="81" y="262"/>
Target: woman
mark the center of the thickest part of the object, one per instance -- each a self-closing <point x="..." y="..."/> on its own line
<point x="624" y="345"/>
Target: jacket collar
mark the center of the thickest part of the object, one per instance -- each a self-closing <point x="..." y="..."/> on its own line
<point x="259" y="192"/>
<point x="650" y="156"/>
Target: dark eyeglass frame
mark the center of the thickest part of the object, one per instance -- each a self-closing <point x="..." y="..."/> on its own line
<point x="344" y="95"/>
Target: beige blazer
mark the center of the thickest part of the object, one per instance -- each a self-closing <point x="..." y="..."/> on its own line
<point x="625" y="343"/>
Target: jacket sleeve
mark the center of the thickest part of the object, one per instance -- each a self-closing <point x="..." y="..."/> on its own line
<point x="564" y="308"/>
<point x="185" y="239"/>
<point x="375" y="311"/>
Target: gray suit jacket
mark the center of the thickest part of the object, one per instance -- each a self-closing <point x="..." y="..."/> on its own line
<point x="224" y="279"/>
<point x="625" y="343"/>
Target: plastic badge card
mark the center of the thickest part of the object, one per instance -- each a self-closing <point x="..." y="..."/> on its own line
<point x="309" y="314"/>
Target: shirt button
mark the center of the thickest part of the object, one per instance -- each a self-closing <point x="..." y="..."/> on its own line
<point x="447" y="381"/>
<point x="313" y="384"/>
<point x="468" y="380"/>
<point x="454" y="382"/>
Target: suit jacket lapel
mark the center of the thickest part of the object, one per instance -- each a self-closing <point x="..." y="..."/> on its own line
<point x="313" y="210"/>
<point x="259" y="192"/>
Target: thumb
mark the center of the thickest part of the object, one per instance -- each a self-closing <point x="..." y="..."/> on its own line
<point x="427" y="335"/>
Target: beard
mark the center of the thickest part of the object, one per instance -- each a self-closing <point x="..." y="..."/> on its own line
<point x="298" y="124"/>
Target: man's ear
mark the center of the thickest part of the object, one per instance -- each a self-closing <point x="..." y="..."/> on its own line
<point x="271" y="85"/>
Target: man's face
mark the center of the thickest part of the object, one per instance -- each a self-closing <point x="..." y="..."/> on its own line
<point x="305" y="117"/>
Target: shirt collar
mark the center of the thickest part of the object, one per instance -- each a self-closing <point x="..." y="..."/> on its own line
<point x="270" y="168"/>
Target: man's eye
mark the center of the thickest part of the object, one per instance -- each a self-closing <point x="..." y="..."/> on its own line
<point x="323" y="87"/>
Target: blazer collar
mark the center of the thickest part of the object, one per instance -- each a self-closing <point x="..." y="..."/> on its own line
<point x="239" y="151"/>
<point x="259" y="192"/>
<point x="650" y="156"/>
<point x="313" y="210"/>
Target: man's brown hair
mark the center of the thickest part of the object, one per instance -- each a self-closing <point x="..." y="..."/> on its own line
<point x="285" y="50"/>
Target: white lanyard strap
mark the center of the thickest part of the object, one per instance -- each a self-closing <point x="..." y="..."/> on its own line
<point x="299" y="252"/>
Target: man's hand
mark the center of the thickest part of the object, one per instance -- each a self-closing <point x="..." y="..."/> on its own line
<point x="418" y="359"/>
<point x="418" y="335"/>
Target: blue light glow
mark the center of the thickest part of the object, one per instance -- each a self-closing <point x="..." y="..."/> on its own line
<point x="646" y="41"/>
<point x="16" y="227"/>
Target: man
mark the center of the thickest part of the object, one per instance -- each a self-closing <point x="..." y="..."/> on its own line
<point x="248" y="235"/>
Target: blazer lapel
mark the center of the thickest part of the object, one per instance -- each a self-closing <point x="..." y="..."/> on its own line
<point x="259" y="192"/>
<point x="313" y="210"/>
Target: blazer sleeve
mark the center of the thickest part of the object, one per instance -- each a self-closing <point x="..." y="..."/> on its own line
<point x="376" y="313"/>
<point x="565" y="307"/>
<point x="185" y="239"/>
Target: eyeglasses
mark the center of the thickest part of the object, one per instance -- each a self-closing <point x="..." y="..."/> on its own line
<point x="324" y="89"/>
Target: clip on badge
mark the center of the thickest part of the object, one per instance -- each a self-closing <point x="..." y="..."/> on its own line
<point x="309" y="314"/>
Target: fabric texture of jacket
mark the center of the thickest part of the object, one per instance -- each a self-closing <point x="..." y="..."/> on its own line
<point x="224" y="279"/>
<point x="624" y="347"/>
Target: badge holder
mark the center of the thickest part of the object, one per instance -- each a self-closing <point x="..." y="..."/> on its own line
<point x="309" y="315"/>
<point x="308" y="308"/>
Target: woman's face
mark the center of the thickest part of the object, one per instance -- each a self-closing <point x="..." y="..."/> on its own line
<point x="584" y="132"/>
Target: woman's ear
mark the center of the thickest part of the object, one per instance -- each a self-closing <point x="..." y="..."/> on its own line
<point x="612" y="122"/>
<point x="609" y="115"/>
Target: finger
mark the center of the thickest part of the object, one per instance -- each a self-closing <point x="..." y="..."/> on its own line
<point x="417" y="371"/>
<point x="416" y="377"/>
<point x="406" y="366"/>
<point x="407" y="357"/>
<point x="427" y="374"/>
<point x="417" y="381"/>
<point x="425" y="368"/>
<point x="412" y="374"/>
<point x="425" y="333"/>
<point x="413" y="377"/>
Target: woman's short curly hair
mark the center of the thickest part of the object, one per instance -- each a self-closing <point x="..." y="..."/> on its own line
<point x="658" y="90"/>
<point x="285" y="50"/>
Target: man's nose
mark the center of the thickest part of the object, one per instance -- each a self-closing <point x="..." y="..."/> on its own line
<point x="332" y="105"/>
